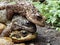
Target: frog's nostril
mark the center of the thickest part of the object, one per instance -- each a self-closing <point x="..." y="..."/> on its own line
<point x="18" y="36"/>
<point x="15" y="35"/>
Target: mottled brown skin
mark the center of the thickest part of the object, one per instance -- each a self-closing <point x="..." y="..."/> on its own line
<point x="25" y="9"/>
<point x="2" y="27"/>
<point x="19" y="23"/>
<point x="22" y="36"/>
<point x="28" y="10"/>
<point x="29" y="16"/>
<point x="2" y="5"/>
<point x="24" y="28"/>
<point x="6" y="32"/>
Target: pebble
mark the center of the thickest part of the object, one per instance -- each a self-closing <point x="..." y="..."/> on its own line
<point x="48" y="43"/>
<point x="20" y="44"/>
<point x="31" y="43"/>
<point x="2" y="26"/>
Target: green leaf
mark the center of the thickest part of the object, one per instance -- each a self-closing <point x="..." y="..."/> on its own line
<point x="48" y="21"/>
<point x="53" y="19"/>
<point x="58" y="15"/>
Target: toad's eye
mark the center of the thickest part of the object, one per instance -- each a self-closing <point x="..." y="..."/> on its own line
<point x="24" y="33"/>
<point x="27" y="23"/>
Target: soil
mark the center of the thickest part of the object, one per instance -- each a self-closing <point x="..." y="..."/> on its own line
<point x="46" y="36"/>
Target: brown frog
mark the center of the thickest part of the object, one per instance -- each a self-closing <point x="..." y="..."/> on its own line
<point x="26" y="9"/>
<point x="20" y="30"/>
<point x="19" y="22"/>
<point x="24" y="17"/>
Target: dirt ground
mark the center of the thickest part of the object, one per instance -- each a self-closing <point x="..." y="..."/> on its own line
<point x="46" y="36"/>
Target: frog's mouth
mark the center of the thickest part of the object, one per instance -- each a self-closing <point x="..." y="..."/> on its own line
<point x="21" y="36"/>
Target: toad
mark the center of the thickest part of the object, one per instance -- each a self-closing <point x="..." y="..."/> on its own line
<point x="20" y="30"/>
<point x="26" y="9"/>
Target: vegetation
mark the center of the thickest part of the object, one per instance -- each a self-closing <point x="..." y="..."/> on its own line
<point x="51" y="10"/>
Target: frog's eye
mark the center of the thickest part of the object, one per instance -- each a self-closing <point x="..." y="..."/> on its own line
<point x="26" y="23"/>
<point x="24" y="33"/>
<point x="39" y="17"/>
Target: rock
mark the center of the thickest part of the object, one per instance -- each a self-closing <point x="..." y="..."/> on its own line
<point x="2" y="27"/>
<point x="6" y="41"/>
<point x="20" y="44"/>
<point x="31" y="44"/>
